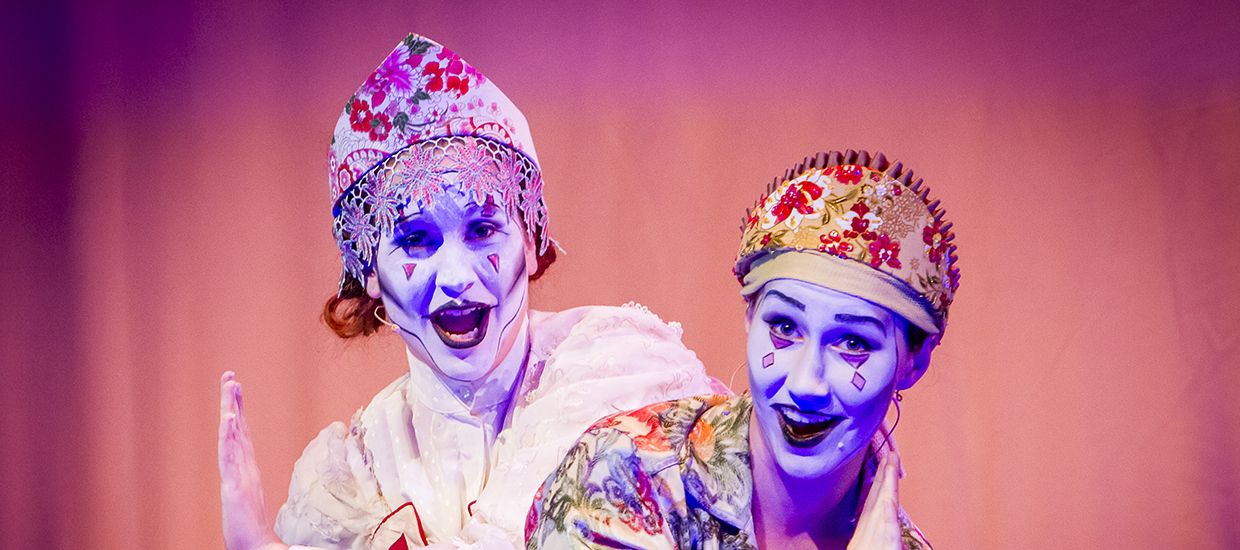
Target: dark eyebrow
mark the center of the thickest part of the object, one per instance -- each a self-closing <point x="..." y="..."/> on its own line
<point x="795" y="303"/>
<point x="488" y="210"/>
<point x="846" y="318"/>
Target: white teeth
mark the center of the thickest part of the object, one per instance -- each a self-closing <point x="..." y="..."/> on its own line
<point x="802" y="418"/>
<point x="459" y="312"/>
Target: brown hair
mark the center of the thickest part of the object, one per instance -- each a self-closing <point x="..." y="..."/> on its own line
<point x="352" y="312"/>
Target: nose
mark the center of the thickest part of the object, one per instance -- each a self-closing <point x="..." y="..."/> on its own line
<point x="807" y="377"/>
<point x="456" y="273"/>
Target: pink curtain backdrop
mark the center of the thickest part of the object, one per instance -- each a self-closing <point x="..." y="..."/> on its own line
<point x="166" y="202"/>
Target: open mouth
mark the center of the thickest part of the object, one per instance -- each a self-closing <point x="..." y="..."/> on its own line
<point x="461" y="325"/>
<point x="804" y="429"/>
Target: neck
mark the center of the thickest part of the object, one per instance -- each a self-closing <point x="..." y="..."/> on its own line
<point x="487" y="399"/>
<point x="801" y="513"/>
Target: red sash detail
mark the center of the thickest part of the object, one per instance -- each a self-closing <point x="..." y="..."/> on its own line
<point x="400" y="543"/>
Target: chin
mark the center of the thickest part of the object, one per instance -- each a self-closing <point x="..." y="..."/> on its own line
<point x="467" y="369"/>
<point x="809" y="466"/>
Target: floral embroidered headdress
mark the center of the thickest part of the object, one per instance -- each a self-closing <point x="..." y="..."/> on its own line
<point x="422" y="114"/>
<point x="859" y="225"/>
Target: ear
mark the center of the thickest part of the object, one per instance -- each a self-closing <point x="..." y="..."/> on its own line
<point x="531" y="256"/>
<point x="921" y="362"/>
<point x="372" y="286"/>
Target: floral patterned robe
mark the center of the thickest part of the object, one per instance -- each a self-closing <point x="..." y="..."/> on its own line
<point x="673" y="475"/>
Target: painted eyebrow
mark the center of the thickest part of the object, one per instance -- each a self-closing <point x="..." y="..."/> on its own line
<point x="846" y="318"/>
<point x="794" y="302"/>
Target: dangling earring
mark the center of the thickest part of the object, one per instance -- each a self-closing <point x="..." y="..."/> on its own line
<point x="395" y="328"/>
<point x="733" y="378"/>
<point x="897" y="398"/>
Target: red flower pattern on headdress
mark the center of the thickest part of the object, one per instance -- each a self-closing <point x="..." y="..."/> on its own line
<point x="359" y="115"/>
<point x="380" y="125"/>
<point x="849" y="175"/>
<point x="932" y="235"/>
<point x="798" y="197"/>
<point x="448" y="74"/>
<point x="883" y="249"/>
<point x="833" y="244"/>
<point x="860" y="221"/>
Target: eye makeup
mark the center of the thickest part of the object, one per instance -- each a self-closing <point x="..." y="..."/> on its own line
<point x="855" y="359"/>
<point x="780" y="343"/>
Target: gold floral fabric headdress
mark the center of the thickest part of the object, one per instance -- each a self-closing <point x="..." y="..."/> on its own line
<point x="858" y="224"/>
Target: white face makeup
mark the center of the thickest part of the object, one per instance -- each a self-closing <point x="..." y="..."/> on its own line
<point x="822" y="368"/>
<point x="454" y="279"/>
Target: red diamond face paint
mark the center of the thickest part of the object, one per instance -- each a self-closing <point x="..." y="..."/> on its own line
<point x="768" y="360"/>
<point x="494" y="261"/>
<point x="409" y="271"/>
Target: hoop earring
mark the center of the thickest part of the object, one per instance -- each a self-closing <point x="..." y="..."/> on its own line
<point x="734" y="371"/>
<point x="395" y="328"/>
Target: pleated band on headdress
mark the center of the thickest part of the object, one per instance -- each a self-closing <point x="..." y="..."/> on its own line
<point x="854" y="223"/>
<point x="422" y="114"/>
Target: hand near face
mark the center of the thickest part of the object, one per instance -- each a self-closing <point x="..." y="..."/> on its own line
<point x="878" y="528"/>
<point x="241" y="490"/>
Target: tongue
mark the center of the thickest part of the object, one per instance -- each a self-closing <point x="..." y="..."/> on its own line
<point x="460" y="324"/>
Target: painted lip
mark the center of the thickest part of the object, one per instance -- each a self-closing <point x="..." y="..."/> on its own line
<point x="805" y="429"/>
<point x="461" y="324"/>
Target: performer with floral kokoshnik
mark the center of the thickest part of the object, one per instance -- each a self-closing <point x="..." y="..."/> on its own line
<point x="848" y="273"/>
<point x="441" y="224"/>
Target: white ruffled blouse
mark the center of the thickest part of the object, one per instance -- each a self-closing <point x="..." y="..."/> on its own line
<point x="416" y="466"/>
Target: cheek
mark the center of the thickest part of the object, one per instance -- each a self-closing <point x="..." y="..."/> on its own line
<point x="766" y="372"/>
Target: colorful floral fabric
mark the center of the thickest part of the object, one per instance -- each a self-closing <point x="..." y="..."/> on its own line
<point x="857" y="213"/>
<point x="423" y="94"/>
<point x="672" y="475"/>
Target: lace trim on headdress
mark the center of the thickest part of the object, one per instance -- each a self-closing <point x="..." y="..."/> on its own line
<point x="414" y="178"/>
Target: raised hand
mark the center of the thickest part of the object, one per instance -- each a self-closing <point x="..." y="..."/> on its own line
<point x="245" y="516"/>
<point x="879" y="528"/>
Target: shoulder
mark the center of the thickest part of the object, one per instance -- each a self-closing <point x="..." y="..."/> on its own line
<point x="660" y="426"/>
<point x="622" y="480"/>
<point x="551" y="329"/>
<point x="601" y="348"/>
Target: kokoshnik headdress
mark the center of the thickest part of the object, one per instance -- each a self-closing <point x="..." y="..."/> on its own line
<point x="859" y="225"/>
<point x="423" y="114"/>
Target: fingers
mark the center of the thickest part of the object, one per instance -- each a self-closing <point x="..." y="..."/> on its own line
<point x="235" y="444"/>
<point x="893" y="472"/>
<point x="888" y="443"/>
<point x="879" y="524"/>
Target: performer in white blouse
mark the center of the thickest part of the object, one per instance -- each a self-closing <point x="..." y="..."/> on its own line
<point x="441" y="224"/>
